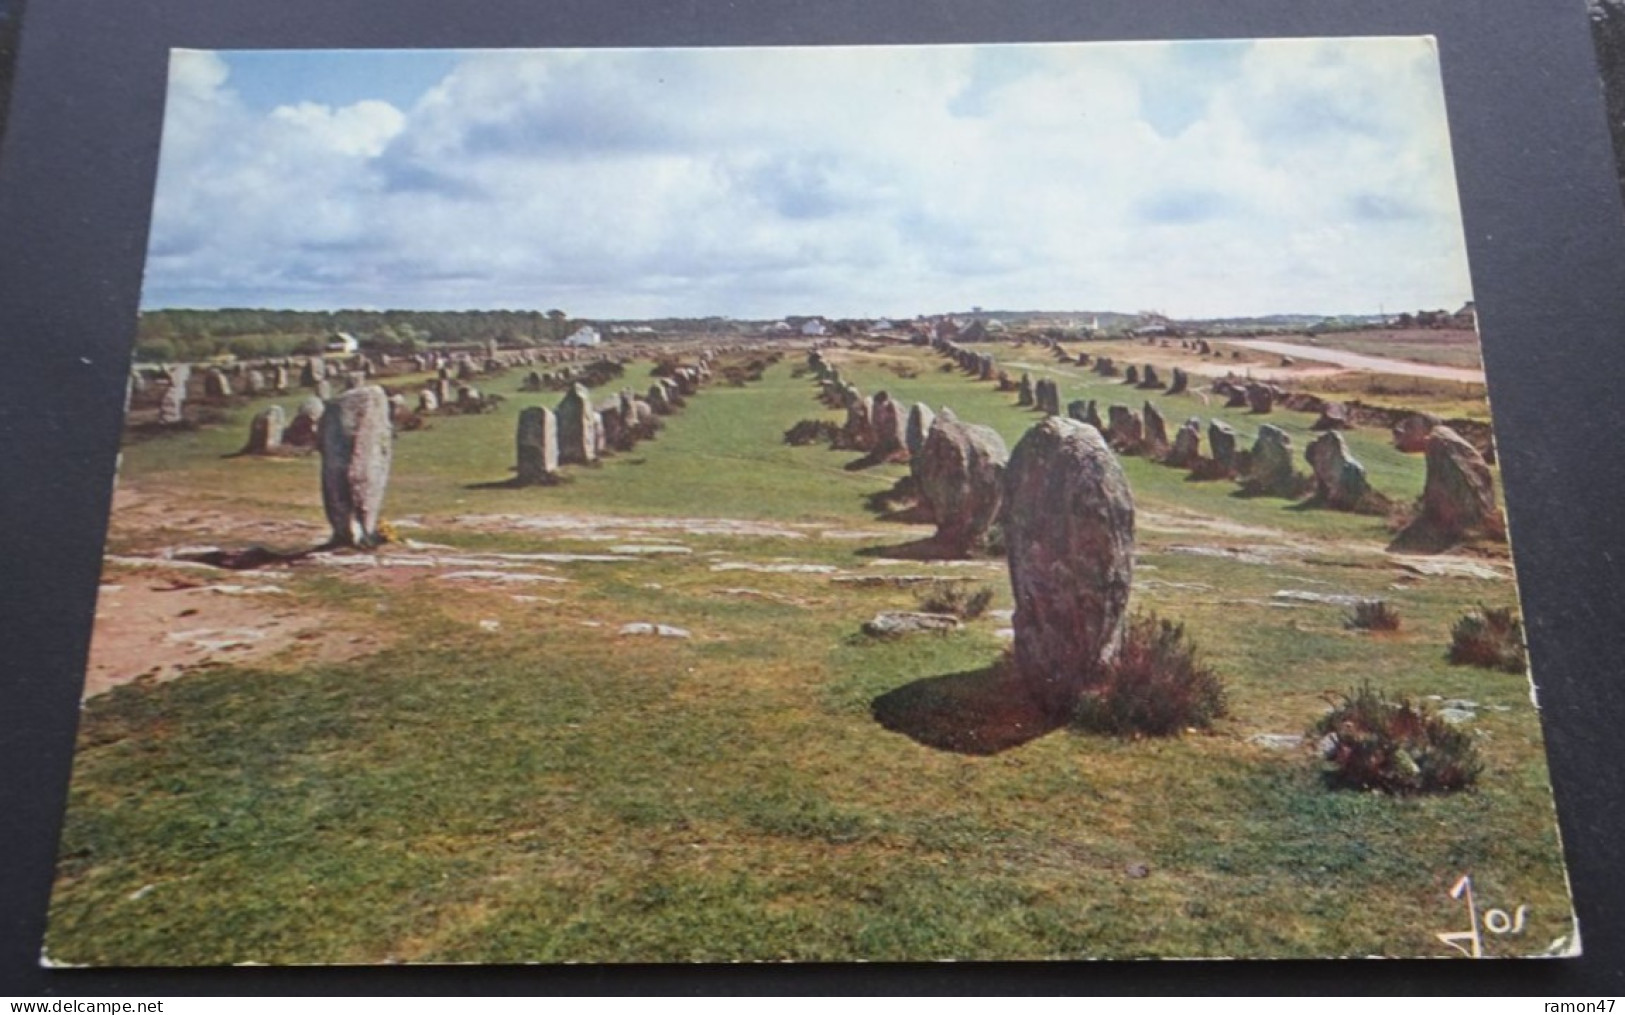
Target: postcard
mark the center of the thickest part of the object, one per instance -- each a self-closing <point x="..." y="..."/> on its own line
<point x="985" y="502"/>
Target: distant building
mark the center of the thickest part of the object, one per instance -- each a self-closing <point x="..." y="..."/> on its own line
<point x="1466" y="317"/>
<point x="814" y="328"/>
<point x="584" y="337"/>
<point x="344" y="343"/>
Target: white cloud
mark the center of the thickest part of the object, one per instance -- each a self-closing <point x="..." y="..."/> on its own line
<point x="1199" y="179"/>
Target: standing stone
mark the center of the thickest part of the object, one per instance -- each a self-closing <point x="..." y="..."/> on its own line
<point x="279" y="378"/>
<point x="1221" y="440"/>
<point x="1048" y="397"/>
<point x="658" y="400"/>
<point x="216" y="384"/>
<point x="1180" y="382"/>
<point x="891" y="438"/>
<point x="918" y="427"/>
<point x="961" y="479"/>
<point x="1024" y="391"/>
<point x="1270" y="471"/>
<point x="1156" y="432"/>
<point x="643" y="422"/>
<point x="1149" y="378"/>
<point x="309" y="374"/>
<point x="859" y="431"/>
<point x="1458" y="497"/>
<point x="1412" y="433"/>
<point x="613" y="425"/>
<point x="322" y="390"/>
<point x="1340" y="481"/>
<point x="265" y="432"/>
<point x="1260" y="398"/>
<point x="1069" y="535"/>
<point x="1131" y="374"/>
<point x="254" y="382"/>
<point x="428" y="401"/>
<point x="1333" y="416"/>
<point x="1187" y="445"/>
<point x="445" y="391"/>
<point x="577" y="424"/>
<point x="537" y="443"/>
<point x="301" y="430"/>
<point x="356" y="442"/>
<point x="172" y="404"/>
<point x="1124" y="430"/>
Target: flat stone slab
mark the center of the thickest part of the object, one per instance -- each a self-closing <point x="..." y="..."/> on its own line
<point x="503" y="576"/>
<point x="1277" y="741"/>
<point x="892" y="624"/>
<point x="657" y="630"/>
<point x="736" y="565"/>
<point x="1329" y="598"/>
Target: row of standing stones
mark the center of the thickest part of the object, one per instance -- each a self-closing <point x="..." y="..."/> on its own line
<point x="1067" y="512"/>
<point x="354" y="434"/>
<point x="1458" y="502"/>
<point x="1068" y="520"/>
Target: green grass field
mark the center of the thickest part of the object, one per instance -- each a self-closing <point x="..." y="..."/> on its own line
<point x="511" y="780"/>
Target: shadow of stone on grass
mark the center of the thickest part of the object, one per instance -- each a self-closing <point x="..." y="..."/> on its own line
<point x="980" y="712"/>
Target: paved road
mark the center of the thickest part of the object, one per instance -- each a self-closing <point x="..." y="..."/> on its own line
<point x="1355" y="361"/>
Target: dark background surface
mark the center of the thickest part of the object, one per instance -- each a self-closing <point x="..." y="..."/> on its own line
<point x="1546" y="240"/>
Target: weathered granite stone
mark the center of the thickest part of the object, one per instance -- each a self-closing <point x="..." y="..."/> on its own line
<point x="1340" y="481"/>
<point x="918" y="427"/>
<point x="1270" y="471"/>
<point x="537" y="444"/>
<point x="1155" y="439"/>
<point x="356" y="442"/>
<point x="265" y="431"/>
<point x="1124" y="430"/>
<point x="1458" y="496"/>
<point x="578" y="427"/>
<point x="960" y="475"/>
<point x="1187" y="445"/>
<point x="1069" y="536"/>
<point x="1411" y="435"/>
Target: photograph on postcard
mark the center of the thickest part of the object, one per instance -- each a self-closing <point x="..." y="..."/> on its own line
<point x="980" y="502"/>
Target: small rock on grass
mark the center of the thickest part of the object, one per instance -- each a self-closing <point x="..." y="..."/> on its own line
<point x="659" y="630"/>
<point x="900" y="623"/>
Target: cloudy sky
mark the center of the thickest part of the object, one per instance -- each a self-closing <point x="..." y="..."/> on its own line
<point x="1198" y="179"/>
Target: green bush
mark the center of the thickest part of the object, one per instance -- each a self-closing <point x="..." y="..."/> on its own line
<point x="1372" y="743"/>
<point x="955" y="598"/>
<point x="1156" y="688"/>
<point x="1492" y="638"/>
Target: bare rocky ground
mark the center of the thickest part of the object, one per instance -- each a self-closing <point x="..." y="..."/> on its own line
<point x="162" y="613"/>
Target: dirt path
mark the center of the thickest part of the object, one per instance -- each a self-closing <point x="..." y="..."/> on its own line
<point x="158" y="622"/>
<point x="1356" y="361"/>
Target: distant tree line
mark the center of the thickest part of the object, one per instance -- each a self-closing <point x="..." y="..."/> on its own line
<point x="174" y="335"/>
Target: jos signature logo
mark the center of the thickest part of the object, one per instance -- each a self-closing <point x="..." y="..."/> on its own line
<point x="1497" y="921"/>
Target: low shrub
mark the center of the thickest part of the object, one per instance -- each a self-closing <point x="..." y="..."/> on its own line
<point x="1372" y="743"/>
<point x="1492" y="638"/>
<point x="813" y="431"/>
<point x="1156" y="688"/>
<point x="1373" y="615"/>
<point x="959" y="599"/>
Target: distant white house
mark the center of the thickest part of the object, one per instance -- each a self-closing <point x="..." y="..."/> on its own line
<point x="881" y="325"/>
<point x="584" y="336"/>
<point x="343" y="342"/>
<point x="814" y="327"/>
